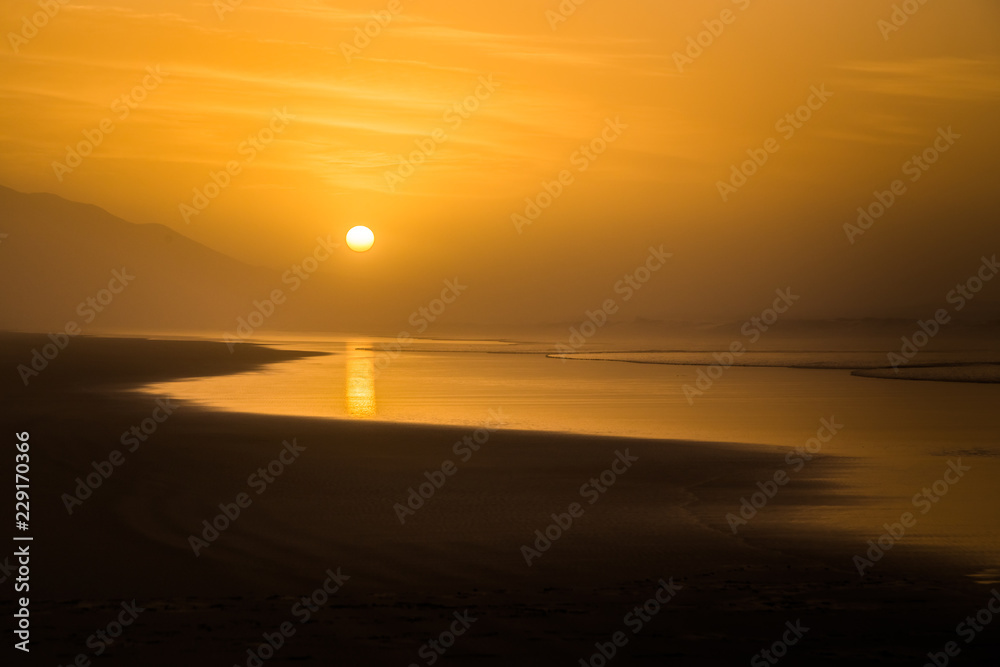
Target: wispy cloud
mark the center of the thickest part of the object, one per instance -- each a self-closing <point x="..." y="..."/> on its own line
<point x="929" y="78"/>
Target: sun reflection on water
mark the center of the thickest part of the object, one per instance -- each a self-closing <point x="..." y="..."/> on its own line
<point x="360" y="383"/>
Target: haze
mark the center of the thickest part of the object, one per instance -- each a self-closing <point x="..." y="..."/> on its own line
<point x="213" y="75"/>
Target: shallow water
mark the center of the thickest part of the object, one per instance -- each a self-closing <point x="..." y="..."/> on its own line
<point x="777" y="406"/>
<point x="903" y="433"/>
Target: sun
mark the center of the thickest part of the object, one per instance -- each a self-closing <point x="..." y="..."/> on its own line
<point x="360" y="239"/>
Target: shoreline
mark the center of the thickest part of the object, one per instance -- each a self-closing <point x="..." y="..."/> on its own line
<point x="461" y="549"/>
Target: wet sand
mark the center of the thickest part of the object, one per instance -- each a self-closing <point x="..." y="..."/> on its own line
<point x="332" y="506"/>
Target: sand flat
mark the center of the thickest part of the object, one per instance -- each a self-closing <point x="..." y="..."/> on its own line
<point x="333" y="507"/>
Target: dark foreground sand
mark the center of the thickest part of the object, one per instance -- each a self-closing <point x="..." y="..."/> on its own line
<point x="461" y="552"/>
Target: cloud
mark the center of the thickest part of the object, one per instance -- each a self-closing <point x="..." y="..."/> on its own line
<point x="962" y="79"/>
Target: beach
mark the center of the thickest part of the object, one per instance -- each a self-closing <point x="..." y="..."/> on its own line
<point x="407" y="536"/>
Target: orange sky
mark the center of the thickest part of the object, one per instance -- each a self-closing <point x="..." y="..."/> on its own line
<point x="542" y="94"/>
